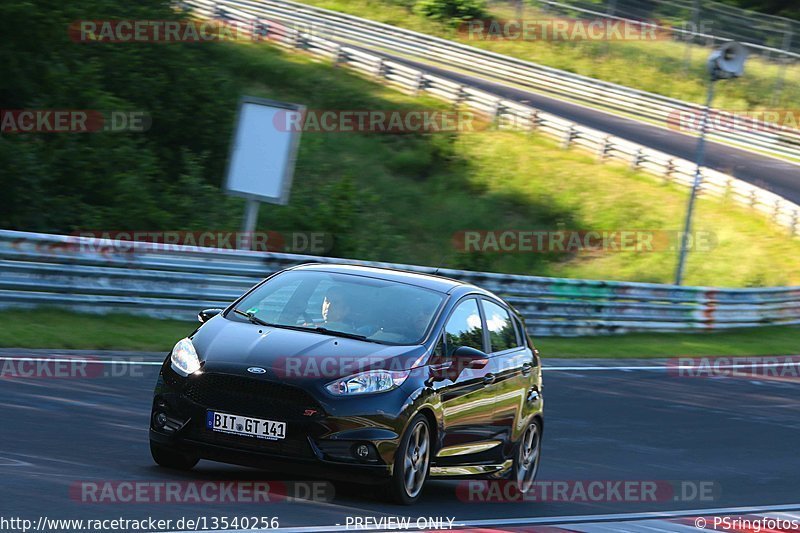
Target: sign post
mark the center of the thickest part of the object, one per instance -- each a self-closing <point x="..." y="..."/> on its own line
<point x="262" y="157"/>
<point x="724" y="63"/>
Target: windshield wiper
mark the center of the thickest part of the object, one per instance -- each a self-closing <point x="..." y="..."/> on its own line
<point x="317" y="329"/>
<point x="336" y="333"/>
<point x="253" y="318"/>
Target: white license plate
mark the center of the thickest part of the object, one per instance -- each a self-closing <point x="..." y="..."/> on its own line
<point x="244" y="425"/>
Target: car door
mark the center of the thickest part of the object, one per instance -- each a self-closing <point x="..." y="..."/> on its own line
<point x="466" y="390"/>
<point x="511" y="363"/>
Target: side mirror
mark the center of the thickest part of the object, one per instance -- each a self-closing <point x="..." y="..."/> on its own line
<point x="462" y="357"/>
<point x="207" y="314"/>
<point x="466" y="357"/>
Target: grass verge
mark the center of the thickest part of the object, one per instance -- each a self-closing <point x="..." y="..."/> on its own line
<point x="666" y="67"/>
<point x="54" y="329"/>
<point x="49" y="328"/>
<point x="403" y="198"/>
<point x="777" y="340"/>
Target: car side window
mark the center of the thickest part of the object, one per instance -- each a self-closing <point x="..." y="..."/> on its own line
<point x="502" y="332"/>
<point x="523" y="340"/>
<point x="464" y="327"/>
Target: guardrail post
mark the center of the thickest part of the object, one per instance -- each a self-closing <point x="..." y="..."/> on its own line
<point x="460" y="95"/>
<point x="219" y="12"/>
<point x="293" y="38"/>
<point x="569" y="136"/>
<point x="638" y="157"/>
<point x="604" y="148"/>
<point x="419" y="83"/>
<point x="669" y="170"/>
<point x="533" y="120"/>
<point x="497" y="111"/>
<point x="380" y="69"/>
<point x="338" y="55"/>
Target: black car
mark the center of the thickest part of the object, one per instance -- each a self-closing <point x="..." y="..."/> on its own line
<point x="379" y="375"/>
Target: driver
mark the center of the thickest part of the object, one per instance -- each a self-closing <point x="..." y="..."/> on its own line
<point x="337" y="310"/>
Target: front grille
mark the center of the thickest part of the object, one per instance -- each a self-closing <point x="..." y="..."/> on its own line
<point x="256" y="398"/>
<point x="250" y="397"/>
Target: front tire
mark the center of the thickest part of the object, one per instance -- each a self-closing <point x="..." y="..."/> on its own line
<point x="168" y="458"/>
<point x="411" y="462"/>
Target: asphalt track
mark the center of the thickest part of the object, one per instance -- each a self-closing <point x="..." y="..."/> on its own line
<point x="738" y="434"/>
<point x="776" y="175"/>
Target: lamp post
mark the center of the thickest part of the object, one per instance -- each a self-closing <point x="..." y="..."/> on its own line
<point x="723" y="63"/>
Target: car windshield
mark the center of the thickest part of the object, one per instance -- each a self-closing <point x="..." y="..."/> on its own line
<point x="375" y="309"/>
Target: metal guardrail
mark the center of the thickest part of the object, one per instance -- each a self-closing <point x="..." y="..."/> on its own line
<point x="506" y="113"/>
<point x="317" y="24"/>
<point x="101" y="276"/>
<point x="768" y="35"/>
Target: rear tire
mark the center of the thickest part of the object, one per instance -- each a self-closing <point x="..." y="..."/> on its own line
<point x="411" y="463"/>
<point x="168" y="458"/>
<point x="527" y="454"/>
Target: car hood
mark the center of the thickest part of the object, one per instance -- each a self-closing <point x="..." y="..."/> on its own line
<point x="230" y="346"/>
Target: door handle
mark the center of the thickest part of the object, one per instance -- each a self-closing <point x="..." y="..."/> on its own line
<point x="488" y="379"/>
<point x="526" y="368"/>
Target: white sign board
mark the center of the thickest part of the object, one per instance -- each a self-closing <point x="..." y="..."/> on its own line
<point x="262" y="155"/>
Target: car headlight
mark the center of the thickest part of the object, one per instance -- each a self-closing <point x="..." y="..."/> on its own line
<point x="368" y="382"/>
<point x="184" y="358"/>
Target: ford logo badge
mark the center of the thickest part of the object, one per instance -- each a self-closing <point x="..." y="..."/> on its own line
<point x="256" y="370"/>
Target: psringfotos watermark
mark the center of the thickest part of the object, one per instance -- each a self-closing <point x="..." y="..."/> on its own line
<point x="588" y="491"/>
<point x="73" y="121"/>
<point x="778" y="367"/>
<point x="579" y="241"/>
<point x="413" y="121"/>
<point x="751" y="524"/>
<point x="198" y="492"/>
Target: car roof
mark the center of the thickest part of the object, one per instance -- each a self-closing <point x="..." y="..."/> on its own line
<point x="427" y="281"/>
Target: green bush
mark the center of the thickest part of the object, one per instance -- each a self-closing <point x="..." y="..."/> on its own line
<point x="160" y="178"/>
<point x="451" y="10"/>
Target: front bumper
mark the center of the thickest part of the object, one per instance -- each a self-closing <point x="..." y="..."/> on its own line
<point x="321" y="438"/>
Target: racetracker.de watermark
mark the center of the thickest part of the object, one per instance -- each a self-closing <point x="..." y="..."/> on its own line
<point x="190" y="31"/>
<point x="152" y="524"/>
<point x="155" y="31"/>
<point x="783" y="366"/>
<point x="415" y="121"/>
<point x="588" y="491"/>
<point x="69" y="367"/>
<point x="199" y="492"/>
<point x="564" y="30"/>
<point x="579" y="241"/>
<point x="133" y="241"/>
<point x="774" y="121"/>
<point x="73" y="121"/>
